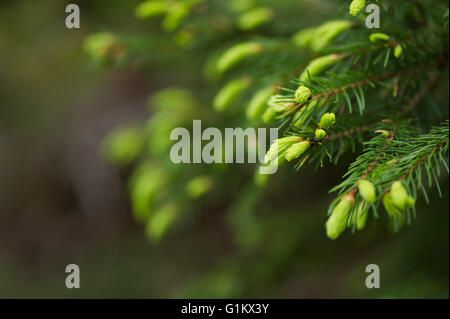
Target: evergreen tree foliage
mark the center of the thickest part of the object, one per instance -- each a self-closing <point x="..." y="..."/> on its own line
<point x="335" y="88"/>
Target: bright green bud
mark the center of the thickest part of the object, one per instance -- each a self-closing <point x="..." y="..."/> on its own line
<point x="160" y="222"/>
<point x="336" y="223"/>
<point x="356" y="7"/>
<point x="259" y="179"/>
<point x="318" y="65"/>
<point x="99" y="45"/>
<point x="362" y="214"/>
<point x="383" y="132"/>
<point x="175" y="16"/>
<point x="254" y="18"/>
<point x="302" y="94"/>
<point x="399" y="195"/>
<point x="366" y="190"/>
<point x="151" y="8"/>
<point x="173" y="99"/>
<point x="304" y="37"/>
<point x="379" y="37"/>
<point x="392" y="209"/>
<point x="183" y="37"/>
<point x="327" y="32"/>
<point x="123" y="145"/>
<point x="398" y="50"/>
<point x="320" y="133"/>
<point x="229" y="92"/>
<point x="145" y="185"/>
<point x="198" y="186"/>
<point x="296" y="150"/>
<point x="318" y="38"/>
<point x="327" y="120"/>
<point x="236" y="54"/>
<point x="259" y="102"/>
<point x="241" y="5"/>
<point x="269" y="115"/>
<point x="410" y="202"/>
<point x="279" y="146"/>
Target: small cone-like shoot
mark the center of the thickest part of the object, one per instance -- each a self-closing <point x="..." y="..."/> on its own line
<point x="269" y="115"/>
<point x="327" y="120"/>
<point x="367" y="190"/>
<point x="151" y="8"/>
<point x="229" y="92"/>
<point x="302" y="94"/>
<point x="336" y="223"/>
<point x="176" y="14"/>
<point x="320" y="133"/>
<point x="327" y="32"/>
<point x="317" y="38"/>
<point x="316" y="66"/>
<point x="356" y="7"/>
<point x="199" y="186"/>
<point x="259" y="102"/>
<point x="304" y="37"/>
<point x="400" y="197"/>
<point x="363" y="213"/>
<point x="393" y="211"/>
<point x="236" y="54"/>
<point x="296" y="150"/>
<point x="379" y="37"/>
<point x="398" y="50"/>
<point x="254" y="18"/>
<point x="278" y="147"/>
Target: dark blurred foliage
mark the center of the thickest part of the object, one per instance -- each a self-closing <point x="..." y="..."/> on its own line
<point x="61" y="203"/>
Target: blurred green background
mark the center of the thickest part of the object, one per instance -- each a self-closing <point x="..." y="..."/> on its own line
<point x="61" y="203"/>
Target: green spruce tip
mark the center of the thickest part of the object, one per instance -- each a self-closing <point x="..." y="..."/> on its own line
<point x="199" y="186"/>
<point x="229" y="92"/>
<point x="320" y="133"/>
<point x="255" y="17"/>
<point x="395" y="213"/>
<point x="176" y="14"/>
<point x="151" y="8"/>
<point x="318" y="65"/>
<point x="367" y="190"/>
<point x="317" y="38"/>
<point x="302" y="94"/>
<point x="356" y="6"/>
<point x="278" y="148"/>
<point x="161" y="220"/>
<point x="327" y="120"/>
<point x="236" y="54"/>
<point x="296" y="150"/>
<point x="270" y="115"/>
<point x="379" y="37"/>
<point x="400" y="197"/>
<point x="327" y="32"/>
<point x="258" y="102"/>
<point x="362" y="215"/>
<point x="337" y="222"/>
<point x="398" y="51"/>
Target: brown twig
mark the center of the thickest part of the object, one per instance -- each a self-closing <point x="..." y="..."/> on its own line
<point x="356" y="130"/>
